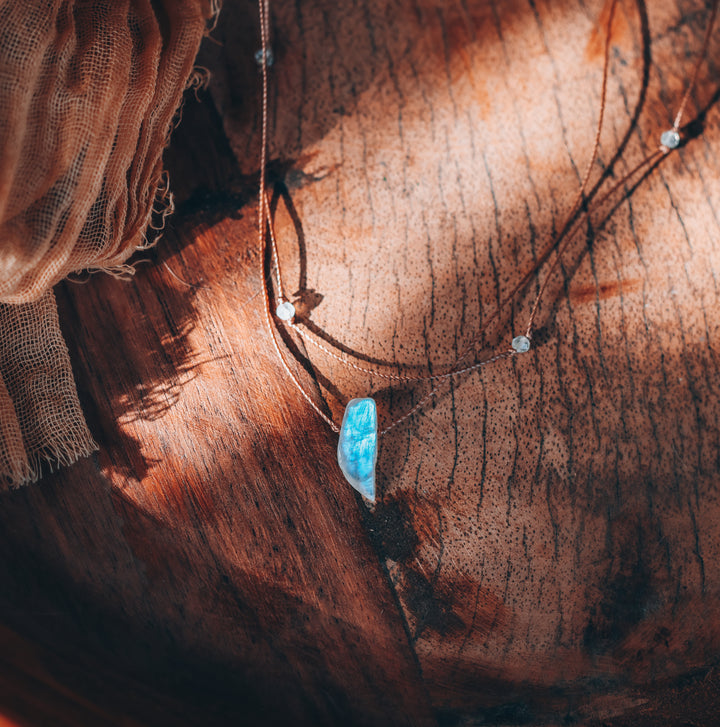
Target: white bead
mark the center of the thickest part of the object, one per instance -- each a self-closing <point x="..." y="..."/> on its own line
<point x="670" y="139"/>
<point x="521" y="344"/>
<point x="285" y="311"/>
<point x="269" y="57"/>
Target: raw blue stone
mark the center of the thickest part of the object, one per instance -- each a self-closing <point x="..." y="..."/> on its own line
<point x="357" y="448"/>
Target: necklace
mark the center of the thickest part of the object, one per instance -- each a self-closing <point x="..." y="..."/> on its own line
<point x="359" y="431"/>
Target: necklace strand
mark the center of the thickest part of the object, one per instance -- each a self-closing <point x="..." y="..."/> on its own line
<point x="579" y="214"/>
<point x="264" y="211"/>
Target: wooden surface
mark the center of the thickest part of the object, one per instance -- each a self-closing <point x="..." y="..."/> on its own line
<point x="545" y="545"/>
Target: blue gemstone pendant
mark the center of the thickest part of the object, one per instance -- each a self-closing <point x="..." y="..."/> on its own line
<point x="357" y="448"/>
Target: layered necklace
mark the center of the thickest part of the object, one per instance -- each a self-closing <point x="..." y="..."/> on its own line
<point x="359" y="432"/>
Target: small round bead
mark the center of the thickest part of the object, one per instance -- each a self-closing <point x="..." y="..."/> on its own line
<point x="521" y="344"/>
<point x="269" y="57"/>
<point x="670" y="139"/>
<point x="285" y="311"/>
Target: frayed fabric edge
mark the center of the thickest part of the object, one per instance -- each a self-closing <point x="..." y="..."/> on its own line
<point x="63" y="453"/>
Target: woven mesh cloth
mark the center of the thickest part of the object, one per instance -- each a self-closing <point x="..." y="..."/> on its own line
<point x="89" y="90"/>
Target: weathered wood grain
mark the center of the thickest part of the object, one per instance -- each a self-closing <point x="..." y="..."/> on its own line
<point x="550" y="525"/>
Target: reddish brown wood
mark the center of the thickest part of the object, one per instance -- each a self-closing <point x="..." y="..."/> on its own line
<point x="549" y="527"/>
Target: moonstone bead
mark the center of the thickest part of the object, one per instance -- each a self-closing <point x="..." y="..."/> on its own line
<point x="357" y="448"/>
<point x="285" y="311"/>
<point x="521" y="344"/>
<point x="670" y="139"/>
<point x="269" y="57"/>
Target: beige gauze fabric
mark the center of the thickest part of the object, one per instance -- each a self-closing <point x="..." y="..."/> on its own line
<point x="89" y="91"/>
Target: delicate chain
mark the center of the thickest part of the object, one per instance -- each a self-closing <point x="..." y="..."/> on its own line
<point x="290" y="373"/>
<point x="264" y="27"/>
<point x="648" y="161"/>
<point x="581" y="192"/>
<point x="456" y="370"/>
<point x="576" y="218"/>
<point x="264" y="212"/>
<point x="393" y="377"/>
<point x="276" y="257"/>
